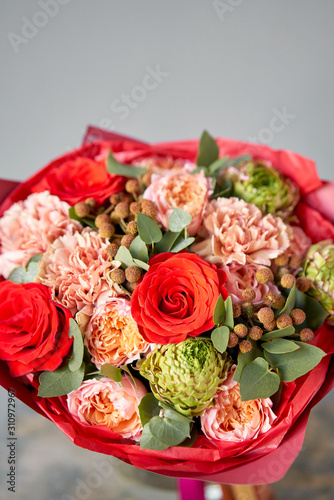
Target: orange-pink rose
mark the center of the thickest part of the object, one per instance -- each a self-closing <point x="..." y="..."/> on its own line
<point x="234" y="420"/>
<point x="28" y="227"/>
<point x="104" y="402"/>
<point x="236" y="231"/>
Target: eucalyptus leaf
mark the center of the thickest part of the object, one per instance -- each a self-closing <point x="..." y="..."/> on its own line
<point x="279" y="346"/>
<point x="244" y="359"/>
<point x="117" y="168"/>
<point x="141" y="264"/>
<point x="208" y="150"/>
<point x="78" y="346"/>
<point x="166" y="242"/>
<point x="223" y="190"/>
<point x="220" y="337"/>
<point x="124" y="256"/>
<point x="35" y="258"/>
<point x="138" y="249"/>
<point x="17" y="275"/>
<point x="148" y="408"/>
<point x="182" y="244"/>
<point x="216" y="165"/>
<point x="238" y="160"/>
<point x="112" y="372"/>
<point x="315" y="313"/>
<point x="178" y="220"/>
<point x="283" y="332"/>
<point x="297" y="363"/>
<point x="60" y="382"/>
<point x="219" y="311"/>
<point x="148" y="230"/>
<point x="229" y="320"/>
<point x="23" y="275"/>
<point x="289" y="304"/>
<point x="257" y="381"/>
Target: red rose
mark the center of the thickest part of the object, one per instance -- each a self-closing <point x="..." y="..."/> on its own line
<point x="177" y="297"/>
<point x="78" y="179"/>
<point x="33" y="329"/>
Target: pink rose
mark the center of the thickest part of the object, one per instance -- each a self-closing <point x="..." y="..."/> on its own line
<point x="241" y="277"/>
<point x="104" y="402"/>
<point x="234" y="420"/>
<point x="180" y="189"/>
<point x="28" y="227"/>
<point x="236" y="231"/>
<point x="111" y="334"/>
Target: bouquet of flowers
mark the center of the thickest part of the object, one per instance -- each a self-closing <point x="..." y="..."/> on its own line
<point x="171" y="305"/>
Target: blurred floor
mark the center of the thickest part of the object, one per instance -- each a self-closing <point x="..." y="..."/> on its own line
<point x="50" y="467"/>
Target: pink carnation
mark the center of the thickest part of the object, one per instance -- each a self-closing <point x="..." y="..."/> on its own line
<point x="76" y="268"/>
<point x="299" y="242"/>
<point x="180" y="189"/>
<point x="234" y="420"/>
<point x="28" y="227"/>
<point x="241" y="277"/>
<point x="111" y="334"/>
<point x="104" y="402"/>
<point x="159" y="164"/>
<point x="236" y="231"/>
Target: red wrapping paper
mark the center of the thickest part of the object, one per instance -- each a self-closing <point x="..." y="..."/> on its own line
<point x="266" y="459"/>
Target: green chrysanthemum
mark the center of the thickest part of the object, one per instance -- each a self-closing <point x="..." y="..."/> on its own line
<point x="265" y="187"/>
<point x="319" y="269"/>
<point x="186" y="375"/>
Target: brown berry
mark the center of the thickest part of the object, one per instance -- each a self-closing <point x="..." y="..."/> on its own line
<point x="81" y="209"/>
<point x="135" y="207"/>
<point x="265" y="315"/>
<point x="102" y="219"/>
<point x="247" y="309"/>
<point x="147" y="179"/>
<point x="233" y="340"/>
<point x="298" y="316"/>
<point x="295" y="261"/>
<point x="126" y="197"/>
<point x="241" y="330"/>
<point x="114" y="199"/>
<point x="279" y="301"/>
<point x="132" y="227"/>
<point x="127" y="239"/>
<point x="122" y="210"/>
<point x="132" y="274"/>
<point x="148" y="204"/>
<point x="106" y="230"/>
<point x="245" y="346"/>
<point x="306" y="335"/>
<point x="270" y="326"/>
<point x="248" y="295"/>
<point x="288" y="280"/>
<point x="268" y="298"/>
<point x="236" y="310"/>
<point x="283" y="321"/>
<point x="149" y="211"/>
<point x="282" y="271"/>
<point x="264" y="275"/>
<point x="91" y="202"/>
<point x="117" y="276"/>
<point x="282" y="260"/>
<point x="303" y="284"/>
<point x="132" y="186"/>
<point x="255" y="333"/>
<point x="112" y="250"/>
<point x="114" y="218"/>
<point x="131" y="286"/>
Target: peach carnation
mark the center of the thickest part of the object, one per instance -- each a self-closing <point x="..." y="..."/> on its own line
<point x="234" y="420"/>
<point x="104" y="402"/>
<point x="29" y="226"/>
<point x="75" y="267"/>
<point x="299" y="242"/>
<point x="111" y="335"/>
<point x="159" y="164"/>
<point x="241" y="277"/>
<point x="180" y="189"/>
<point x="236" y="231"/>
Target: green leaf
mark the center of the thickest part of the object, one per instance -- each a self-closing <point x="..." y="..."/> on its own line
<point x="178" y="220"/>
<point x="279" y="346"/>
<point x="238" y="160"/>
<point x="220" y="337"/>
<point x="229" y="320"/>
<point x="244" y="359"/>
<point x="208" y="150"/>
<point x="17" y="275"/>
<point x="35" y="258"/>
<point x="289" y="304"/>
<point x="32" y="271"/>
<point x="148" y="408"/>
<point x="283" y="332"/>
<point x="60" y="382"/>
<point x="114" y="167"/>
<point x="112" y="372"/>
<point x="78" y="347"/>
<point x="161" y="432"/>
<point x="83" y="221"/>
<point x="257" y="381"/>
<point x="22" y="275"/>
<point x="216" y="165"/>
<point x="138" y="249"/>
<point x="295" y="364"/>
<point x="182" y="244"/>
<point x="167" y="241"/>
<point x="141" y="264"/>
<point x="219" y="311"/>
<point x="224" y="190"/>
<point x="124" y="256"/>
<point x="198" y="170"/>
<point x="148" y="230"/>
<point x="315" y="313"/>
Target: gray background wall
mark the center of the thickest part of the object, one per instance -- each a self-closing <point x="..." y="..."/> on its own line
<point x="230" y="66"/>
